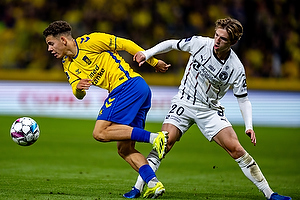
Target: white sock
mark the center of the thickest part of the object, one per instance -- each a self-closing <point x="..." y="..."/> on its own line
<point x="152" y="137"/>
<point x="152" y="182"/>
<point x="139" y="184"/>
<point x="154" y="163"/>
<point x="253" y="173"/>
<point x="153" y="160"/>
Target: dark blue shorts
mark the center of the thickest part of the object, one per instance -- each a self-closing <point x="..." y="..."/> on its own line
<point x="128" y="103"/>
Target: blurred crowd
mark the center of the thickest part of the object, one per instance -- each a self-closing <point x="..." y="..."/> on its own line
<point x="270" y="46"/>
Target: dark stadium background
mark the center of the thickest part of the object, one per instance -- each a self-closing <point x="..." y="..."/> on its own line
<point x="269" y="48"/>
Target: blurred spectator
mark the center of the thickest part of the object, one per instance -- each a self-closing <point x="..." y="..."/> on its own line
<point x="270" y="46"/>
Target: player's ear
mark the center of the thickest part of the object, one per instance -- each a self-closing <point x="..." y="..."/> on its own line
<point x="64" y="40"/>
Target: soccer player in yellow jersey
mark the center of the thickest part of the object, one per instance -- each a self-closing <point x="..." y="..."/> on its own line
<point x="93" y="59"/>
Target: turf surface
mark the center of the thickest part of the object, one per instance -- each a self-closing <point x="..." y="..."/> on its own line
<point x="67" y="163"/>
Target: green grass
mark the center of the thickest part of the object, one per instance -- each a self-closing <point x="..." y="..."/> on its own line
<point x="67" y="163"/>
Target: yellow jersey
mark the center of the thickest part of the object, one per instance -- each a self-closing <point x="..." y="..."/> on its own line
<point x="97" y="59"/>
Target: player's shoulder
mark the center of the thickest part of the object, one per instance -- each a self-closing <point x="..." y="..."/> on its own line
<point x="204" y="42"/>
<point x="198" y="39"/>
<point x="235" y="59"/>
<point x="91" y="37"/>
<point x="196" y="42"/>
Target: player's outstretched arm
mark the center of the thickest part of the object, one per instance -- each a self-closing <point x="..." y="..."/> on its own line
<point x="160" y="48"/>
<point x="161" y="66"/>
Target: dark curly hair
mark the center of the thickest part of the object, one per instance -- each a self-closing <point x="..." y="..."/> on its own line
<point x="57" y="28"/>
<point x="233" y="27"/>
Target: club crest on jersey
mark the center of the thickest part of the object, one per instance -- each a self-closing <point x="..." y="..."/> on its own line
<point x="87" y="60"/>
<point x="223" y="75"/>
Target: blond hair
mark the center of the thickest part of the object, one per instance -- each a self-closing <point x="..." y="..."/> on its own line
<point x="233" y="27"/>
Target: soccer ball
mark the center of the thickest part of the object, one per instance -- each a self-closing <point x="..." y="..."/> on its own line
<point x="24" y="131"/>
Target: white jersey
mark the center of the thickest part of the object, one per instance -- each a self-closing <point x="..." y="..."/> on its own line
<point x="206" y="78"/>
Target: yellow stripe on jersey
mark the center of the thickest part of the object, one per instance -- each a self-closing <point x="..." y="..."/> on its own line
<point x="97" y="59"/>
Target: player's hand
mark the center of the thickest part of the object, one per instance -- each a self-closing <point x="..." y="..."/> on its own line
<point x="140" y="58"/>
<point x="251" y="134"/>
<point x="161" y="66"/>
<point x="84" y="84"/>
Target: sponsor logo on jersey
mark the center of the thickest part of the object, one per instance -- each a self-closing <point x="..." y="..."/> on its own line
<point x="172" y="117"/>
<point x="244" y="83"/>
<point x="110" y="41"/>
<point x="188" y="39"/>
<point x="97" y="74"/>
<point x="211" y="68"/>
<point x="196" y="65"/>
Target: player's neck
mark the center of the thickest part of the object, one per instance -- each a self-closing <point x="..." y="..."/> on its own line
<point x="72" y="50"/>
<point x="222" y="55"/>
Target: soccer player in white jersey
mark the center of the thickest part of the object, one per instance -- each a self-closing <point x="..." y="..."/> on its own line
<point x="212" y="68"/>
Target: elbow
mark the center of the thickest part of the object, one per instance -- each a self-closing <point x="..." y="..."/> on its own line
<point x="100" y="136"/>
<point x="79" y="97"/>
<point x="79" y="94"/>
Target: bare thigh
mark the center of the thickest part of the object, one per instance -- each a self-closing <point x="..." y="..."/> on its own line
<point x="106" y="131"/>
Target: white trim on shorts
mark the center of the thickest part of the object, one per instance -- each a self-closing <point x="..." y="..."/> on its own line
<point x="183" y="114"/>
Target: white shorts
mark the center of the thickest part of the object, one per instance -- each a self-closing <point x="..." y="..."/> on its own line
<point x="183" y="114"/>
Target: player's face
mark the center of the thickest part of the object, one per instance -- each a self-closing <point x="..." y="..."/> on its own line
<point x="56" y="46"/>
<point x="222" y="43"/>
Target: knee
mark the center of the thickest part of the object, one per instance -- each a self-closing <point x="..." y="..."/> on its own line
<point x="238" y="152"/>
<point x="122" y="152"/>
<point x="172" y="139"/>
<point x="101" y="131"/>
<point x="170" y="144"/>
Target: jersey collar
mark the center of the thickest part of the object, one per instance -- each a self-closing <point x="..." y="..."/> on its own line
<point x="77" y="50"/>
<point x="220" y="61"/>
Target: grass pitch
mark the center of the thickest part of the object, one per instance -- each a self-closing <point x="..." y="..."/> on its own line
<point x="67" y="163"/>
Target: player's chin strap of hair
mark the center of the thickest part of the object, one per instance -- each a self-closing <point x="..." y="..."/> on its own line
<point x="246" y="110"/>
